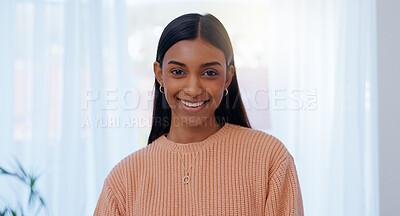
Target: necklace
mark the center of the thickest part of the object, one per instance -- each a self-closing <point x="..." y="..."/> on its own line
<point x="186" y="177"/>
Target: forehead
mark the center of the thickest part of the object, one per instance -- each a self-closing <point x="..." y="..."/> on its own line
<point x="194" y="52"/>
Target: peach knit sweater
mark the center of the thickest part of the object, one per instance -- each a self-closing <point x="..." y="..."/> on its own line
<point x="237" y="171"/>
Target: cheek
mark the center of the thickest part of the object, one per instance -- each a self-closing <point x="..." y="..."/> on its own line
<point x="219" y="87"/>
<point x="171" y="88"/>
<point x="217" y="94"/>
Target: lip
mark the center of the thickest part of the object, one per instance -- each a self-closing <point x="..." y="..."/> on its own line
<point x="191" y="109"/>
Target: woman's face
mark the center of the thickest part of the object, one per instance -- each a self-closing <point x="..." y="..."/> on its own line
<point x="194" y="76"/>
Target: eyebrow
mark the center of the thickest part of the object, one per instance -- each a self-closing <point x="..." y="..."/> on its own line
<point x="203" y="65"/>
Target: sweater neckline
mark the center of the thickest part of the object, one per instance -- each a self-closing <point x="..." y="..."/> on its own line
<point x="194" y="146"/>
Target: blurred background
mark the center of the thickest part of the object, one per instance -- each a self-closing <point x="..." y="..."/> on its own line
<point x="76" y="89"/>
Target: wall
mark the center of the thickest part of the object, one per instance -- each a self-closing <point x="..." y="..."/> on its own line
<point x="388" y="45"/>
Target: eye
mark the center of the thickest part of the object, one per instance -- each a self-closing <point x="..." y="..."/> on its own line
<point x="210" y="73"/>
<point x="177" y="72"/>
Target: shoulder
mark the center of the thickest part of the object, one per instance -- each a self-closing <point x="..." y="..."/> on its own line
<point x="251" y="136"/>
<point x="265" y="145"/>
<point x="251" y="133"/>
<point x="120" y="182"/>
<point x="127" y="169"/>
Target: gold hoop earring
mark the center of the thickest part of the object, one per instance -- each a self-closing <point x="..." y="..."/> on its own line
<point x="160" y="90"/>
<point x="226" y="91"/>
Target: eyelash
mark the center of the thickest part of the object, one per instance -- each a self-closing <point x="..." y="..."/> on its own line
<point x="214" y="73"/>
<point x="176" y="70"/>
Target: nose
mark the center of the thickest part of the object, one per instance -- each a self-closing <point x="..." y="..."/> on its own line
<point x="193" y="87"/>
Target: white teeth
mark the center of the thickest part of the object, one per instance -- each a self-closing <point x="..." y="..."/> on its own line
<point x="192" y="104"/>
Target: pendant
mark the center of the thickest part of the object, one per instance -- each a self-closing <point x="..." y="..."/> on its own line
<point x="186" y="179"/>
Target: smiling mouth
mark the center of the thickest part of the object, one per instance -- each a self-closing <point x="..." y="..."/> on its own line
<point x="193" y="105"/>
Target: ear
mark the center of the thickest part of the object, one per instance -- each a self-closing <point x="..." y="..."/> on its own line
<point x="229" y="75"/>
<point x="158" y="72"/>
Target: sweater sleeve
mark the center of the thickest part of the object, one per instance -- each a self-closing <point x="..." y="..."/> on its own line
<point x="284" y="197"/>
<point x="107" y="203"/>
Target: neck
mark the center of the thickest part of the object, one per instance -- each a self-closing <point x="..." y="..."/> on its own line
<point x="187" y="133"/>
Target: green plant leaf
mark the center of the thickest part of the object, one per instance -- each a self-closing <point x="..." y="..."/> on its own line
<point x="30" y="198"/>
<point x="20" y="167"/>
<point x="5" y="172"/>
<point x="3" y="212"/>
<point x="33" y="180"/>
<point x="42" y="201"/>
<point x="22" y="211"/>
<point x="30" y="181"/>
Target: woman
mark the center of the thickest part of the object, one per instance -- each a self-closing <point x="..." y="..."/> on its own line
<point x="202" y="157"/>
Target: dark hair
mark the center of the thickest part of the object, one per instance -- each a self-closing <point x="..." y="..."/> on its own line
<point x="209" y="28"/>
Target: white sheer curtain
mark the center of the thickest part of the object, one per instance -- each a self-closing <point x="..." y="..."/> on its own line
<point x="66" y="79"/>
<point x="62" y="64"/>
<point x="323" y="56"/>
